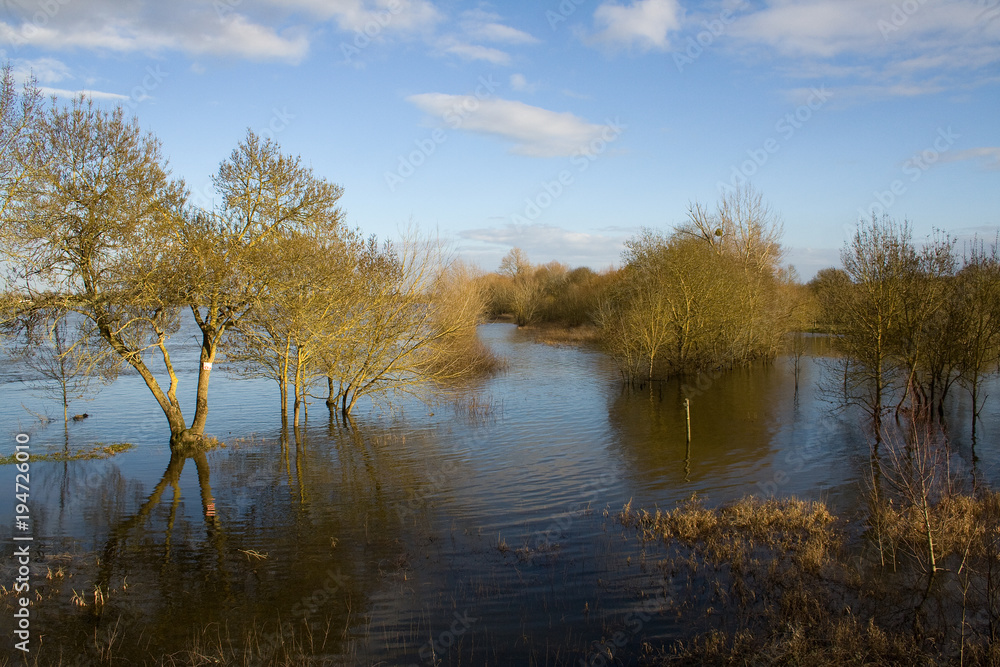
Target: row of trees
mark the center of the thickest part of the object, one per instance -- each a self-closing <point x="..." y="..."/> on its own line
<point x="912" y="321"/>
<point x="93" y="224"/>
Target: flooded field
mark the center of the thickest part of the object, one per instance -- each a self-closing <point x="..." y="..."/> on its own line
<point x="469" y="529"/>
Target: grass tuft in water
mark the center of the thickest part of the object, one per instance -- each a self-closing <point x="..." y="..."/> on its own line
<point x="98" y="450"/>
<point x="783" y="581"/>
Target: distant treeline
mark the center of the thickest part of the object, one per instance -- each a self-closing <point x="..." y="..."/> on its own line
<point x="910" y="321"/>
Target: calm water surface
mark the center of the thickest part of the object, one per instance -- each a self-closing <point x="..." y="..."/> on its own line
<point x="466" y="530"/>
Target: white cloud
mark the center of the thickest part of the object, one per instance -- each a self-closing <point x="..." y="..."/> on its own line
<point x="71" y="94"/>
<point x="535" y="132"/>
<point x="542" y="243"/>
<point x="192" y="28"/>
<point x="987" y="156"/>
<point x="644" y="23"/>
<point x="239" y="37"/>
<point x="827" y="28"/>
<point x="274" y="30"/>
<point x="485" y="26"/>
<point x="372" y="16"/>
<point x="495" y="32"/>
<point x="887" y="50"/>
<point x="45" y="70"/>
<point x="474" y="51"/>
<point x="519" y="83"/>
<point x="481" y="26"/>
<point x="50" y="70"/>
<point x="818" y="27"/>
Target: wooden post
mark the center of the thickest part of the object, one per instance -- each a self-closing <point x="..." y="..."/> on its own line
<point x="687" y="412"/>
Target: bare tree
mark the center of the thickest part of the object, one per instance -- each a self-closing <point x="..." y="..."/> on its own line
<point x="285" y="333"/>
<point x="869" y="311"/>
<point x="523" y="293"/>
<point x="910" y="325"/>
<point x="66" y="366"/>
<point x="978" y="331"/>
<point x="20" y="113"/>
<point x="743" y="225"/>
<point x="403" y="320"/>
<point x="98" y="227"/>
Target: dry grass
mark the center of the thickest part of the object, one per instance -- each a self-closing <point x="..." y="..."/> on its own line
<point x="280" y="644"/>
<point x="735" y="532"/>
<point x="478" y="409"/>
<point x="782" y="581"/>
<point x="98" y="450"/>
<point x="554" y="334"/>
<point x="846" y="641"/>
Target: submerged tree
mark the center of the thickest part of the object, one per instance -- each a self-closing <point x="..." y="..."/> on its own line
<point x="411" y="306"/>
<point x="869" y="309"/>
<point x="978" y="329"/>
<point x="519" y="292"/>
<point x="910" y="322"/>
<point x="290" y="324"/>
<point x="87" y="226"/>
<point x="707" y="295"/>
<point x="97" y="227"/>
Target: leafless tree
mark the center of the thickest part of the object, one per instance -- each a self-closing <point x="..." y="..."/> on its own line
<point x="97" y="226"/>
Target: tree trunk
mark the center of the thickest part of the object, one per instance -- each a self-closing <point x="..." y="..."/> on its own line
<point x="167" y="401"/>
<point x="193" y="434"/>
<point x="283" y="390"/>
<point x="299" y="389"/>
<point x="283" y="383"/>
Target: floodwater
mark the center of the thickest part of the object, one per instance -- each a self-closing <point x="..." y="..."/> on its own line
<point x="466" y="530"/>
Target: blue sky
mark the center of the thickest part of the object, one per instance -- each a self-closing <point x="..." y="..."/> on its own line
<point x="561" y="126"/>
